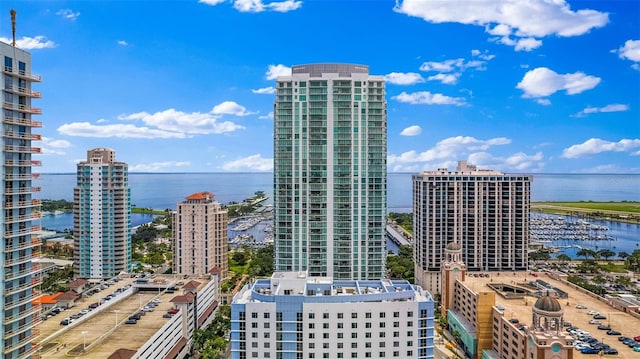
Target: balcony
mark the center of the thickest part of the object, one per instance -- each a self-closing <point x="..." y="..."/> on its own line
<point x="21" y="177"/>
<point x="21" y="108"/>
<point x="21" y="122"/>
<point x="22" y="91"/>
<point x="8" y="334"/>
<point x="23" y="190"/>
<point x="23" y="136"/>
<point x="9" y="347"/>
<point x="22" y="149"/>
<point x="18" y="260"/>
<point x="23" y="273"/>
<point x="23" y="218"/>
<point x="21" y="74"/>
<point x="35" y="311"/>
<point x="21" y="163"/>
<point x="30" y="244"/>
<point x="31" y="353"/>
<point x="26" y="299"/>
<point x="33" y="283"/>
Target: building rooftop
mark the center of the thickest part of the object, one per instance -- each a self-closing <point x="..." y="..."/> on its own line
<point x="200" y="196"/>
<point x="326" y="289"/>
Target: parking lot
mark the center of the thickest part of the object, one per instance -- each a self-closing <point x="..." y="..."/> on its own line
<point x="104" y="329"/>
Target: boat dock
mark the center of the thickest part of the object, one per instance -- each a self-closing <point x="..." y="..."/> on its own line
<point x="396" y="236"/>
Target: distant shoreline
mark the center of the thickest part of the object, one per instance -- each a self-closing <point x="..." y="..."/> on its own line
<point x="624" y="211"/>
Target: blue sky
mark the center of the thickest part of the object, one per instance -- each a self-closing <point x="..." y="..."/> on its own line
<point x="187" y="86"/>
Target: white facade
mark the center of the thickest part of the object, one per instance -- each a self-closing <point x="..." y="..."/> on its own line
<point x="295" y="316"/>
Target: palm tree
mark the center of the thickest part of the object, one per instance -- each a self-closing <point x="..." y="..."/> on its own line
<point x="563" y="258"/>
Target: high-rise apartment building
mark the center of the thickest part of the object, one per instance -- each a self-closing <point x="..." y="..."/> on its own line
<point x="20" y="244"/>
<point x="330" y="172"/>
<point x="101" y="217"/>
<point x="484" y="211"/>
<point x="200" y="236"/>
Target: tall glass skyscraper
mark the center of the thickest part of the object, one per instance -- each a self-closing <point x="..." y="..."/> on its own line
<point x="20" y="243"/>
<point x="101" y="217"/>
<point x="330" y="172"/>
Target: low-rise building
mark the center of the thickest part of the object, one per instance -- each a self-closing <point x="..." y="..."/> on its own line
<point x="292" y="315"/>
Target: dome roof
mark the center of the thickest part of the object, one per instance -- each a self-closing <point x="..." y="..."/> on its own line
<point x="453" y="246"/>
<point x="548" y="304"/>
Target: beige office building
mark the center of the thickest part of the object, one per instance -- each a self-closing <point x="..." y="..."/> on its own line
<point x="200" y="236"/>
<point x="485" y="211"/>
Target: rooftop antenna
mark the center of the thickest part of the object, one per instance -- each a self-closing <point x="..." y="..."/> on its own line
<point x="13" y="26"/>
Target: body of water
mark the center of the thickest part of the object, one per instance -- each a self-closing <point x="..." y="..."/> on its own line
<point x="165" y="190"/>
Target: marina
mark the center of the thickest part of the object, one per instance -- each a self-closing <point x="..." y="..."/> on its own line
<point x="545" y="229"/>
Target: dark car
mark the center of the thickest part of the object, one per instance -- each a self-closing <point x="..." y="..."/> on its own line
<point x="590" y="351"/>
<point x="621" y="339"/>
<point x="598" y="316"/>
<point x="131" y="321"/>
<point x="613" y="332"/>
<point x="610" y="351"/>
<point x="135" y="317"/>
<point x="604" y="327"/>
<point x="167" y="315"/>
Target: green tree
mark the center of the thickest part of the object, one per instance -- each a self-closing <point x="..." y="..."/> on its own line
<point x="239" y="257"/>
<point x="563" y="258"/>
<point x="606" y="253"/>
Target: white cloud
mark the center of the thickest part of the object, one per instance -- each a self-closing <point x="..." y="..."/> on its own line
<point x="448" y="150"/>
<point x="443" y="66"/>
<point x="86" y="129"/>
<point x="630" y="50"/>
<point x="50" y="142"/>
<point x="258" y="5"/>
<point x="68" y="14"/>
<point x="428" y="98"/>
<point x="414" y="130"/>
<point x="527" y="44"/>
<point x="541" y="82"/>
<point x="122" y="43"/>
<point x="158" y="166"/>
<point x="505" y="18"/>
<point x="483" y="55"/>
<point x="276" y="71"/>
<point x="403" y="78"/>
<point x="265" y="90"/>
<point x="447" y="79"/>
<point x="231" y="108"/>
<point x="179" y="124"/>
<point x="268" y="116"/>
<point x="594" y="146"/>
<point x="543" y="101"/>
<point x="251" y="163"/>
<point x="31" y="43"/>
<point x="616" y="107"/>
<point x="518" y="161"/>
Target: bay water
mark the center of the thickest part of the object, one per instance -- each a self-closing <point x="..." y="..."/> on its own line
<point x="165" y="190"/>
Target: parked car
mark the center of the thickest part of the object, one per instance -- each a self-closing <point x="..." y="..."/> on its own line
<point x="66" y="321"/>
<point x="590" y="351"/>
<point x="580" y="306"/>
<point x="135" y="317"/>
<point x="593" y="312"/>
<point x="131" y="321"/>
<point x="167" y="315"/>
<point x="610" y="351"/>
<point x="637" y="338"/>
<point x="598" y="316"/>
<point x="604" y="327"/>
<point x="593" y="321"/>
<point x="613" y="332"/>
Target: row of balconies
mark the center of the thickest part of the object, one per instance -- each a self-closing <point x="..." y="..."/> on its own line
<point x="9" y="347"/>
<point x="21" y="74"/>
<point x="20" y="121"/>
<point x="24" y="190"/>
<point x="35" y="267"/>
<point x="22" y="259"/>
<point x="22" y="135"/>
<point x="9" y="291"/>
<point x="30" y="244"/>
<point x="22" y="204"/>
<point x="22" y="149"/>
<point x="22" y="91"/>
<point x="21" y="108"/>
<point x="23" y="328"/>
<point x="22" y="163"/>
<point x="22" y="218"/>
<point x="35" y="309"/>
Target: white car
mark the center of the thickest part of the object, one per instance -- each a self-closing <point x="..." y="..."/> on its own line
<point x="592" y="312"/>
<point x="593" y="321"/>
<point x="580" y="306"/>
